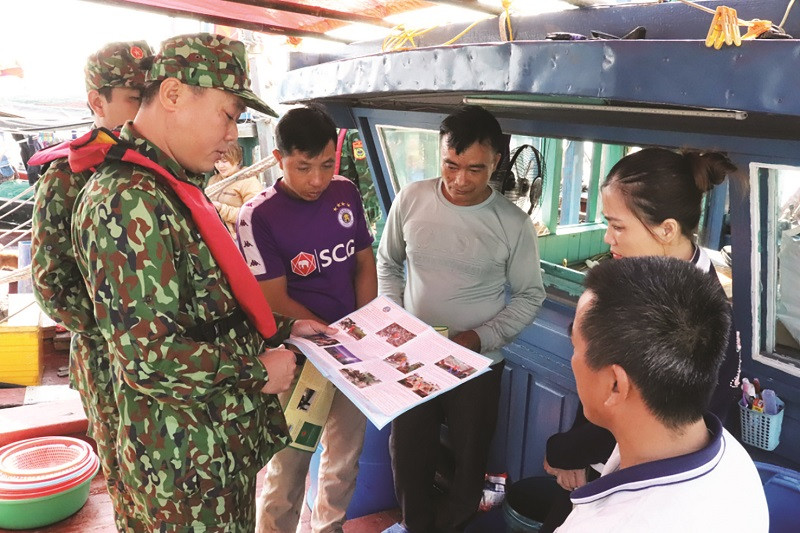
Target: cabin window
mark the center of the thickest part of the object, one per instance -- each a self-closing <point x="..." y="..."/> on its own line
<point x="778" y="237"/>
<point x="412" y="154"/>
<point x="568" y="215"/>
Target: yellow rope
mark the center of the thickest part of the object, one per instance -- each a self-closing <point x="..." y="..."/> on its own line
<point x="460" y="35"/>
<point x="506" y="7"/>
<point x="402" y="38"/>
<point x="398" y="41"/>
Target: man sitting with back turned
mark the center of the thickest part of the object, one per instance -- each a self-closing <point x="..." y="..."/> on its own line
<point x="649" y="336"/>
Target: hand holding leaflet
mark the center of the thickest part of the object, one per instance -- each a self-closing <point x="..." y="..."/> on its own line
<point x="387" y="361"/>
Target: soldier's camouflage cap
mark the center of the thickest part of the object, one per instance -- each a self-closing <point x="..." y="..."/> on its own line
<point x="122" y="64"/>
<point x="206" y="60"/>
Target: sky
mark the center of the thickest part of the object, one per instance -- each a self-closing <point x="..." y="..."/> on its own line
<point x="51" y="39"/>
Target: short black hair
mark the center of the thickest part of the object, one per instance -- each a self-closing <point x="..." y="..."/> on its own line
<point x="470" y="124"/>
<point x="307" y="129"/>
<point x="666" y="323"/>
<point x="151" y="88"/>
<point x="105" y="92"/>
<point x="150" y="91"/>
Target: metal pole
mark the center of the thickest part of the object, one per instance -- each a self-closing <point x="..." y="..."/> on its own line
<point x="235" y="23"/>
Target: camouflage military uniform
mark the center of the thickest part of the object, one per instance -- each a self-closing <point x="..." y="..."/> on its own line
<point x="59" y="287"/>
<point x="195" y="428"/>
<point x="353" y="166"/>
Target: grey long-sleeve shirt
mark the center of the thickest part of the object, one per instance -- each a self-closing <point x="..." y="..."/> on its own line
<point x="474" y="267"/>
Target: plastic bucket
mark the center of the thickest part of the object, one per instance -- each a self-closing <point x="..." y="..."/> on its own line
<point x="374" y="486"/>
<point x="39" y="512"/>
<point x="527" y="503"/>
<point x="23" y="493"/>
<point x="782" y="489"/>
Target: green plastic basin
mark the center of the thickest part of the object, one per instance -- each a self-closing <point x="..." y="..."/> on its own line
<point x="39" y="512"/>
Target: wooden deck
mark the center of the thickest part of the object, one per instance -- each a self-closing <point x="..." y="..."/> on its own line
<point x="60" y="418"/>
<point x="97" y="516"/>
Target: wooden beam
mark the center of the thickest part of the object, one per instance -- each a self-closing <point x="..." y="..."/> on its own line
<point x="225" y="21"/>
<point x="315" y="11"/>
<point x="471" y="4"/>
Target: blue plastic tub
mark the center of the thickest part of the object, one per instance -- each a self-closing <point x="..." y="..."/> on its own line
<point x="374" y="486"/>
<point x="527" y="503"/>
<point x="782" y="488"/>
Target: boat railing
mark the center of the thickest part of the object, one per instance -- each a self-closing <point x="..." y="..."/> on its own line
<point x="244" y="173"/>
<point x="16" y="200"/>
<point x="22" y="231"/>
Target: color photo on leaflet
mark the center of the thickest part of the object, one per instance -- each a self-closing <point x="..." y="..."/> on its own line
<point x="395" y="334"/>
<point x="400" y="362"/>
<point x="456" y="367"/>
<point x="352" y="329"/>
<point x="419" y="386"/>
<point x="320" y="339"/>
<point x="358" y="378"/>
<point x="343" y="355"/>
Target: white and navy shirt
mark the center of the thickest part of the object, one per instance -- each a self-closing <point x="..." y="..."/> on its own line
<point x="713" y="489"/>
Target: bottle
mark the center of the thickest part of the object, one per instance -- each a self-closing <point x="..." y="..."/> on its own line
<point x="748" y="392"/>
<point x="770" y="402"/>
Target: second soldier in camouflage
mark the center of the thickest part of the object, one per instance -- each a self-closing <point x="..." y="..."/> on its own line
<point x="114" y="80"/>
<point x="194" y="380"/>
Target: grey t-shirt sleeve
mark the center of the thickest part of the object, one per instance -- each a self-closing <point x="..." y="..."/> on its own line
<point x="526" y="292"/>
<point x="392" y="255"/>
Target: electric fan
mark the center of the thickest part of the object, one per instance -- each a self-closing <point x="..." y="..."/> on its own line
<point x="521" y="178"/>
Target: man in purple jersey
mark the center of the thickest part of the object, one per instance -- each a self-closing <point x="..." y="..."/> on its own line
<point x="306" y="241"/>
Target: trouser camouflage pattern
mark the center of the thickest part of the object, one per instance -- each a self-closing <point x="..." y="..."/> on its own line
<point x="90" y="375"/>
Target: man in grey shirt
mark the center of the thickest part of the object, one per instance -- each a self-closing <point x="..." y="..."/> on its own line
<point x="472" y="263"/>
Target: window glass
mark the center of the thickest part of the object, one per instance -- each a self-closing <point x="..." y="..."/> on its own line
<point x="785" y="248"/>
<point x="563" y="177"/>
<point x="411" y="154"/>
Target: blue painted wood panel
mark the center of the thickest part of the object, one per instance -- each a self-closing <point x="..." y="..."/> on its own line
<point x="533" y="407"/>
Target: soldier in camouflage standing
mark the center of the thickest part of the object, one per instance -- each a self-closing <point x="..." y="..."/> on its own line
<point x="353" y="166"/>
<point x="186" y="326"/>
<point x="114" y="80"/>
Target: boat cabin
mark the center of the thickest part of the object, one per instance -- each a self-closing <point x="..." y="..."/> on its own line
<point x="582" y="105"/>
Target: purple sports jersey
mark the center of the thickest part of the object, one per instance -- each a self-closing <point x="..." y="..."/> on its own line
<point x="313" y="244"/>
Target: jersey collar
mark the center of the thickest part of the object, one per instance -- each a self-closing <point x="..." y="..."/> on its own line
<point x="656" y="473"/>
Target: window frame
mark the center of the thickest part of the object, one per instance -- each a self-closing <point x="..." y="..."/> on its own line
<point x="764" y="250"/>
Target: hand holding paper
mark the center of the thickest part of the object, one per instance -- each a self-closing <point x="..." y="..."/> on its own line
<point x="304" y="328"/>
<point x="280" y="365"/>
<point x="387" y="361"/>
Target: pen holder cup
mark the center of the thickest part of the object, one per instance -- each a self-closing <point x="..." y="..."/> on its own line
<point x="760" y="429"/>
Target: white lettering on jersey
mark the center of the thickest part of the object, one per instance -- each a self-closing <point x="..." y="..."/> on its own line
<point x="339" y="253"/>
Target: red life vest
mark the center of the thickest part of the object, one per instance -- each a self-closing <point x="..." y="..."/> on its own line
<point x="92" y="149"/>
<point x="51" y="153"/>
<point x="339" y="146"/>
